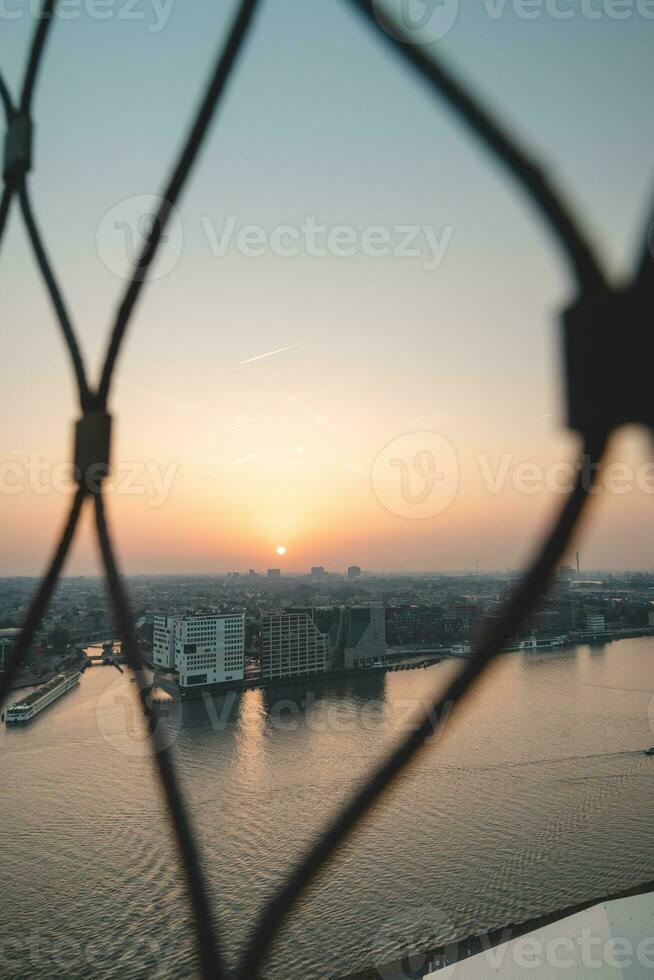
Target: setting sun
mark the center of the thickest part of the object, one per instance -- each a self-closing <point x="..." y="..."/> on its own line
<point x="396" y="374"/>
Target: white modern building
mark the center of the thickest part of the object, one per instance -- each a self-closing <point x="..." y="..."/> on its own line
<point x="292" y="645"/>
<point x="202" y="649"/>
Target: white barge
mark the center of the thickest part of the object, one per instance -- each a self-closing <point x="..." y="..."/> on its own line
<point x="31" y="704"/>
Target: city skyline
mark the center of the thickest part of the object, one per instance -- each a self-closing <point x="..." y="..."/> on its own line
<point x="271" y="363"/>
<point x="326" y="481"/>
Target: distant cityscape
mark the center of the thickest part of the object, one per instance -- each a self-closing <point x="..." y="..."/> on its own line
<point x="239" y="629"/>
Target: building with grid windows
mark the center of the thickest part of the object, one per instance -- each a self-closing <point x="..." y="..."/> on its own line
<point x="163" y="642"/>
<point x="203" y="649"/>
<point x="292" y="645"/>
<point x="311" y="640"/>
<point x="8" y="638"/>
<point x="595" y="622"/>
<point x="209" y="649"/>
<point x="356" y="635"/>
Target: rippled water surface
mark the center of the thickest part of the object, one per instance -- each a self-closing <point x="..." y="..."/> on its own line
<point x="538" y="797"/>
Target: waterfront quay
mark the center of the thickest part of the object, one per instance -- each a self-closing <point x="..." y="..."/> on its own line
<point x="168" y="683"/>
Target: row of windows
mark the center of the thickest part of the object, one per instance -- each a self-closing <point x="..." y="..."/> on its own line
<point x="282" y="638"/>
<point x="214" y="625"/>
<point x="267" y="661"/>
<point x="208" y="678"/>
<point x="293" y="646"/>
<point x="211" y="658"/>
<point x="279" y="664"/>
<point x="229" y="648"/>
<point x="212" y="620"/>
<point x="211" y="664"/>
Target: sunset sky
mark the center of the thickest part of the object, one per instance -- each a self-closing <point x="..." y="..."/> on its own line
<point x="320" y="122"/>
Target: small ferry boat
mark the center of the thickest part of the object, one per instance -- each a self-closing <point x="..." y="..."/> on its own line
<point x="549" y="643"/>
<point x="36" y="701"/>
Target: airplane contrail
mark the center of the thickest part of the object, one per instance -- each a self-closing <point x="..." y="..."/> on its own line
<point x="269" y="353"/>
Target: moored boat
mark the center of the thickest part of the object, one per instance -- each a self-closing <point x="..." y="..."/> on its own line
<point x="29" y="706"/>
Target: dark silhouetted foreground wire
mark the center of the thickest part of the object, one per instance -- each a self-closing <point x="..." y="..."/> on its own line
<point x="5" y="203"/>
<point x="586" y="269"/>
<point x="644" y="278"/>
<point x="517" y="609"/>
<point x="45" y="18"/>
<point x="55" y="295"/>
<point x="6" y="99"/>
<point x="210" y="959"/>
<point x="92" y="403"/>
<point x="591" y="281"/>
<point x="7" y="190"/>
<point x="177" y="181"/>
<point x="39" y="603"/>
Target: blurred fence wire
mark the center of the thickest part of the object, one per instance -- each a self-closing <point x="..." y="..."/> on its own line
<point x="608" y="351"/>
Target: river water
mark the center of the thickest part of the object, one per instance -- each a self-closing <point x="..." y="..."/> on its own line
<point x="538" y="797"/>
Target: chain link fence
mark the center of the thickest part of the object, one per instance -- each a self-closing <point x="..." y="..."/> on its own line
<point x="608" y="353"/>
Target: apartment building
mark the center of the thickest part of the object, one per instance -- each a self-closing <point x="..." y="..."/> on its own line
<point x="202" y="649"/>
<point x="292" y="645"/>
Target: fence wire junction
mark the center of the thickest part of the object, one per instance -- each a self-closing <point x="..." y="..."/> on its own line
<point x="608" y="345"/>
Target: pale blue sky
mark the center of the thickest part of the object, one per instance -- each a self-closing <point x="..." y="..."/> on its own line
<point x="321" y="119"/>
